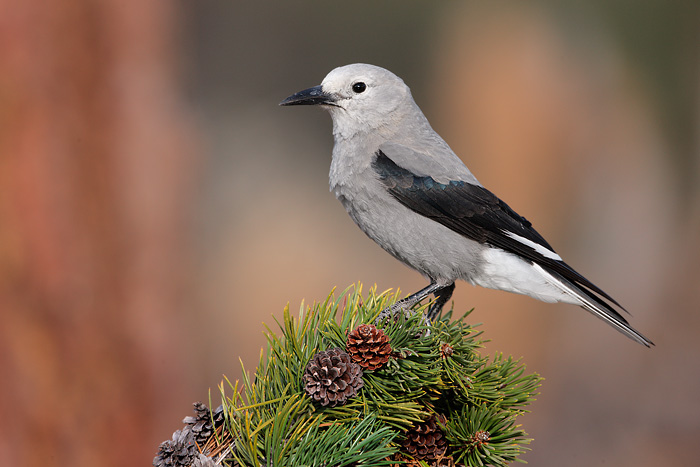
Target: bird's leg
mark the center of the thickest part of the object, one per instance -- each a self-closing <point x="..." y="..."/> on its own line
<point x="442" y="296"/>
<point x="407" y="303"/>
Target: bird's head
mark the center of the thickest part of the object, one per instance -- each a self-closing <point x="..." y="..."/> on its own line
<point x="360" y="97"/>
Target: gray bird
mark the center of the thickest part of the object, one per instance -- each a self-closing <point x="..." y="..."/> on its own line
<point x="409" y="192"/>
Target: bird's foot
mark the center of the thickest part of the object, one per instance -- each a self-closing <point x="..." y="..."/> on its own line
<point x="442" y="292"/>
<point x="392" y="313"/>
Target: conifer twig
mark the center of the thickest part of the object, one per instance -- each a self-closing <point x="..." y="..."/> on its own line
<point x="333" y="389"/>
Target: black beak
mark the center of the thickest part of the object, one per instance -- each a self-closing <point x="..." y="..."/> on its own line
<point x="311" y="96"/>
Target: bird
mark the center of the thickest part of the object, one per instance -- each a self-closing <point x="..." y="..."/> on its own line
<point x="408" y="191"/>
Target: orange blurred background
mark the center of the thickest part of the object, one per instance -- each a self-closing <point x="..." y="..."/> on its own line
<point x="156" y="205"/>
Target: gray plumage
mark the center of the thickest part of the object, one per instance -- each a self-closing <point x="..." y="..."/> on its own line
<point x="409" y="192"/>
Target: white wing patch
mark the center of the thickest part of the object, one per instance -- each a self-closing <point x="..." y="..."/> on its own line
<point x="535" y="246"/>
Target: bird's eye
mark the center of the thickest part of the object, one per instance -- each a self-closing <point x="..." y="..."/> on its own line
<point x="359" y="87"/>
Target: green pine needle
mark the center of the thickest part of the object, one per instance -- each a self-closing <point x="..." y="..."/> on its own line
<point x="270" y="420"/>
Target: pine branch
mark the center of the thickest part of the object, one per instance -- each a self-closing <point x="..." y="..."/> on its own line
<point x="335" y="388"/>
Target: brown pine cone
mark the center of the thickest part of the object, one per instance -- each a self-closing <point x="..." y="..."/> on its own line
<point x="426" y="440"/>
<point x="180" y="451"/>
<point x="201" y="424"/>
<point x="331" y="377"/>
<point x="369" y="346"/>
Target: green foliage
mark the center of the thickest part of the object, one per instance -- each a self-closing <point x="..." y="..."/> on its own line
<point x="363" y="442"/>
<point x="433" y="369"/>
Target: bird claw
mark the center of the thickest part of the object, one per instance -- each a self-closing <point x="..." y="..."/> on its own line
<point x="392" y="313"/>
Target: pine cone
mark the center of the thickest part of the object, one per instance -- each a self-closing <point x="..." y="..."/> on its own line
<point x="180" y="451"/>
<point x="331" y="377"/>
<point x="201" y="425"/>
<point x="203" y="461"/>
<point x="426" y="440"/>
<point x="369" y="346"/>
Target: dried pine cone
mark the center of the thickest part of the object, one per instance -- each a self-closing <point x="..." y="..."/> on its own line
<point x="426" y="440"/>
<point x="203" y="461"/>
<point x="182" y="450"/>
<point x="331" y="377"/>
<point x="201" y="425"/>
<point x="369" y="346"/>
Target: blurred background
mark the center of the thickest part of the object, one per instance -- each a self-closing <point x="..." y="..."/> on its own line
<point x="156" y="205"/>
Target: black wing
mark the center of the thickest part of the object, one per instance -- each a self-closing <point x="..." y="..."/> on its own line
<point x="476" y="213"/>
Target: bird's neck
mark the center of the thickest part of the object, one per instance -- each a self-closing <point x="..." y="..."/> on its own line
<point x="384" y="127"/>
<point x="357" y="142"/>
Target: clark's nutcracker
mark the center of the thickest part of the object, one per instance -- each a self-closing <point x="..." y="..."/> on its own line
<point x="405" y="188"/>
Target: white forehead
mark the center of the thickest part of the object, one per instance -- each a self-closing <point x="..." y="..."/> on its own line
<point x="368" y="74"/>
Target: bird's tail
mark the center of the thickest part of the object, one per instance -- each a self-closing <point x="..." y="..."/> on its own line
<point x="590" y="301"/>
